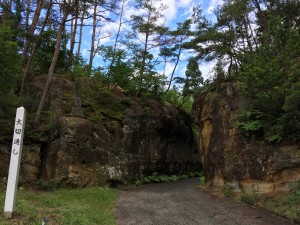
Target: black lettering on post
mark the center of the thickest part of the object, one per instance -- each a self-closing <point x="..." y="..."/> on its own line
<point x="15" y="152"/>
<point x="17" y="141"/>
<point x="18" y="131"/>
<point x="19" y="122"/>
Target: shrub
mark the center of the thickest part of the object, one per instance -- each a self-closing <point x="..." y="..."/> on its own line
<point x="249" y="198"/>
<point x="227" y="191"/>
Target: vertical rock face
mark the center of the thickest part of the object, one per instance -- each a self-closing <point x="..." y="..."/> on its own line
<point x="107" y="137"/>
<point x="229" y="156"/>
<point x="160" y="142"/>
<point x="30" y="163"/>
<point x="85" y="153"/>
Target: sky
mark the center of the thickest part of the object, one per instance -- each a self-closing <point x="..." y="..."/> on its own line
<point x="177" y="11"/>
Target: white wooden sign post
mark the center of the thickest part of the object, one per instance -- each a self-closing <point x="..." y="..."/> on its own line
<point x="14" y="166"/>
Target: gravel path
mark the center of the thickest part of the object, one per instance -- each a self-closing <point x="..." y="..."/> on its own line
<point x="184" y="203"/>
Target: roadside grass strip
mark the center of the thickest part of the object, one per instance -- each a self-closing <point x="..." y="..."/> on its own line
<point x="92" y="205"/>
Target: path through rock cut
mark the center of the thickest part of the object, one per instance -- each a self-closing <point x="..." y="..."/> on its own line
<point x="184" y="203"/>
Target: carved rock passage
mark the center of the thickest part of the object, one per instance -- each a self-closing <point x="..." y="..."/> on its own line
<point x="229" y="156"/>
<point x="149" y="137"/>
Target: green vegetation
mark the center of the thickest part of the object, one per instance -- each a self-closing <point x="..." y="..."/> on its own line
<point x="91" y="205"/>
<point x="203" y="180"/>
<point x="227" y="191"/>
<point x="286" y="205"/>
<point x="283" y="204"/>
<point x="9" y="68"/>
<point x="159" y="178"/>
<point x="264" y="61"/>
<point x="249" y="198"/>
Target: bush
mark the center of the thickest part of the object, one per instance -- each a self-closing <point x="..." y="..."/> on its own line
<point x="227" y="191"/>
<point x="294" y="198"/>
<point x="249" y="198"/>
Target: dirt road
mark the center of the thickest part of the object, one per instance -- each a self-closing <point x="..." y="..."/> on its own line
<point x="184" y="203"/>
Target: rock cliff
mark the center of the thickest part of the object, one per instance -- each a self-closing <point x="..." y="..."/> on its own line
<point x="229" y="156"/>
<point x="102" y="136"/>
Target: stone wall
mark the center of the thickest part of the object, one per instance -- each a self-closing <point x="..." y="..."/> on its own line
<point x="230" y="156"/>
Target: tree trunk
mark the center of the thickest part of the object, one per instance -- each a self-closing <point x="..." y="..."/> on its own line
<point x="27" y="15"/>
<point x="93" y="36"/>
<point x="35" y="20"/>
<point x="52" y="67"/>
<point x="4" y="9"/>
<point x="35" y="48"/>
<point x="174" y="69"/>
<point x="247" y="36"/>
<point x="252" y="33"/>
<point x="80" y="32"/>
<point x="72" y="40"/>
<point x="182" y="103"/>
<point x="117" y="37"/>
<point x="144" y="55"/>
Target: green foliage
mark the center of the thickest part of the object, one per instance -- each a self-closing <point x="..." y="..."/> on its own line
<point x="48" y="186"/>
<point x="147" y="26"/>
<point x="80" y="68"/>
<point x="284" y="204"/>
<point x="174" y="97"/>
<point x="294" y="197"/>
<point x="45" y="52"/>
<point x="99" y="101"/>
<point x="275" y="138"/>
<point x="265" y="60"/>
<point x="291" y="116"/>
<point x="159" y="178"/>
<point x="270" y="77"/>
<point x="119" y="69"/>
<point x="227" y="191"/>
<point x="251" y="120"/>
<point x="156" y="178"/>
<point x="9" y="68"/>
<point x="203" y="180"/>
<point x="193" y="78"/>
<point x="8" y="104"/>
<point x="9" y="59"/>
<point x="249" y="198"/>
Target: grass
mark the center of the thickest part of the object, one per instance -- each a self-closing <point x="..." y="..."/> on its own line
<point x="249" y="197"/>
<point x="280" y="204"/>
<point x="91" y="205"/>
<point x="286" y="205"/>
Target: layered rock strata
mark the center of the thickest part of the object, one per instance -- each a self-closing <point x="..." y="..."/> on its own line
<point x="230" y="156"/>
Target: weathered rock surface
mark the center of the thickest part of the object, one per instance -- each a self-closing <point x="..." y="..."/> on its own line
<point x="104" y="136"/>
<point x="229" y="156"/>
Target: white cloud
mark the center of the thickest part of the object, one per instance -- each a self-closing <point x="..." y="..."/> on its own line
<point x="171" y="11"/>
<point x="85" y="53"/>
<point x="213" y="4"/>
<point x="207" y="69"/>
<point x="184" y="3"/>
<point x="169" y="69"/>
